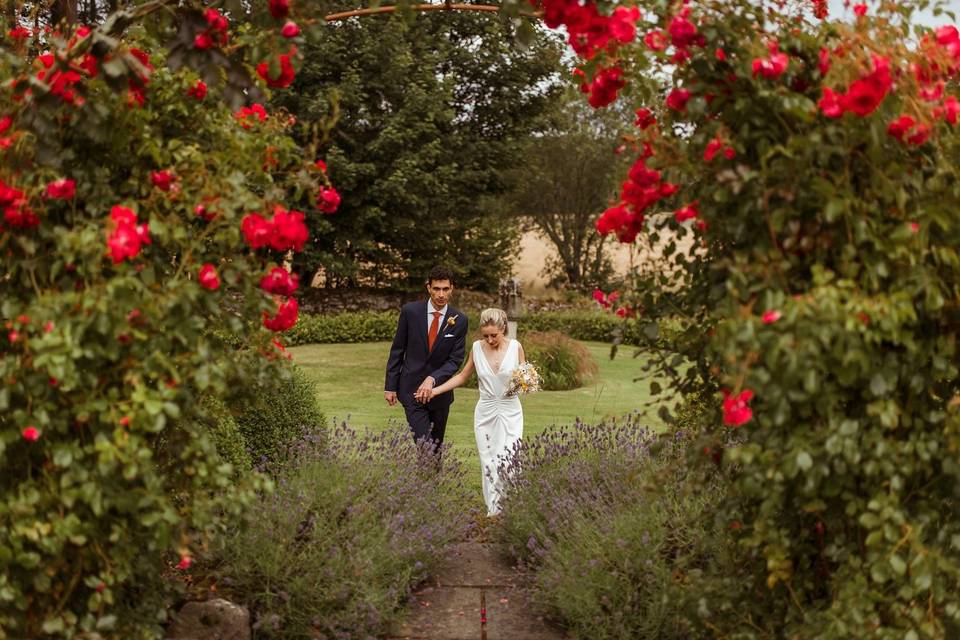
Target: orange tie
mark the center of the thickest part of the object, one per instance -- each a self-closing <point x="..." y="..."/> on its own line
<point x="434" y="328"/>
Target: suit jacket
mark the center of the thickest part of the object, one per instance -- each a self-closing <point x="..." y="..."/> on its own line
<point x="410" y="361"/>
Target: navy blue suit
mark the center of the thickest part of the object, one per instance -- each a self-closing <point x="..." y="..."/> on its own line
<point x="411" y="362"/>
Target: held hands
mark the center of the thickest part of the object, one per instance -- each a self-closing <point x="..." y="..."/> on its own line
<point x="424" y="393"/>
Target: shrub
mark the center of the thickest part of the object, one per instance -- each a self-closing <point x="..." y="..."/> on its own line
<point x="123" y="197"/>
<point x="353" y="524"/>
<point x="619" y="532"/>
<point x="350" y="327"/>
<point x="814" y="164"/>
<point x="563" y="363"/>
<point x="272" y="416"/>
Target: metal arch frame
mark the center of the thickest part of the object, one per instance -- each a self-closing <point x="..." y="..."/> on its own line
<point x="447" y="5"/>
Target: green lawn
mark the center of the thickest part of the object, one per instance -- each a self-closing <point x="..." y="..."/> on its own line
<point x="350" y="378"/>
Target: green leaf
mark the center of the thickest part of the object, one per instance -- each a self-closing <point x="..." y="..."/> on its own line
<point x="804" y="461"/>
<point x="898" y="565"/>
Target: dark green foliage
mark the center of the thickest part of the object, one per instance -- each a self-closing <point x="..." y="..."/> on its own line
<point x="563" y="363"/>
<point x="433" y="112"/>
<point x="272" y="416"/>
<point x="229" y="441"/>
<point x="361" y="326"/>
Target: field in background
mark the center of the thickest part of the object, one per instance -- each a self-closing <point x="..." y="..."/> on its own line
<point x="350" y="387"/>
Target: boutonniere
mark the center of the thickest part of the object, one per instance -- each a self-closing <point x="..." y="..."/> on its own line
<point x="452" y="320"/>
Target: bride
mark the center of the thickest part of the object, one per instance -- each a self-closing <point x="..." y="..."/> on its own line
<point x="498" y="418"/>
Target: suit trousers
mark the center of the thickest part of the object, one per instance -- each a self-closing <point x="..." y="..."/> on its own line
<point x="427" y="420"/>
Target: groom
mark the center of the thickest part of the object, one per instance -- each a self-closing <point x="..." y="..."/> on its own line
<point x="427" y="349"/>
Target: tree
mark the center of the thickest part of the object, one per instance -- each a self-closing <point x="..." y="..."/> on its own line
<point x="569" y="178"/>
<point x="433" y="113"/>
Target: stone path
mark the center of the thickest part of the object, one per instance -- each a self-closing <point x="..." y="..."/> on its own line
<point x="477" y="596"/>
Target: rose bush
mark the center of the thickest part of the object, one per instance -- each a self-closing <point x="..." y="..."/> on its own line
<point x="125" y="187"/>
<point x="814" y="162"/>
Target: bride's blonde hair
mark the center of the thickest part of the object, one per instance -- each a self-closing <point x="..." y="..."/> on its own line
<point x="494" y="316"/>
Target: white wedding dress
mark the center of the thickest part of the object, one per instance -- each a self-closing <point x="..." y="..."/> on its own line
<point x="497" y="420"/>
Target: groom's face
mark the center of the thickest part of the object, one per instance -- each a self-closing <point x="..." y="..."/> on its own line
<point x="440" y="291"/>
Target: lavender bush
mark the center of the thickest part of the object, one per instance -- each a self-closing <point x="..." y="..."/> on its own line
<point x="354" y="522"/>
<point x="622" y="539"/>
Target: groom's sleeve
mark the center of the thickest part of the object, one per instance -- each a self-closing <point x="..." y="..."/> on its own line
<point x="452" y="364"/>
<point x="395" y="361"/>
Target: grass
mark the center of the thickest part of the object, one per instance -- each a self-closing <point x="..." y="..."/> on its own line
<point x="350" y="378"/>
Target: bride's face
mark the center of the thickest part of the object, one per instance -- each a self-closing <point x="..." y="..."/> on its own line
<point x="492" y="335"/>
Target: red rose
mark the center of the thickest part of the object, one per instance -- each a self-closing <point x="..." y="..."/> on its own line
<point x="720" y="54"/>
<point x="162" y="180"/>
<point x="830" y="103"/>
<point x="256" y="231"/>
<point x="203" y="41"/>
<point x="123" y="243"/>
<point x="279" y="8"/>
<point x="860" y="10"/>
<point x="62" y="189"/>
<point x="713" y="148"/>
<point x="688" y="212"/>
<point x="328" y="200"/>
<point x="280" y="282"/>
<point x="947" y="34"/>
<point x="127" y="236"/>
<point x="771" y="316"/>
<point x="244" y="114"/>
<point x="683" y="33"/>
<point x="677" y="99"/>
<point x="185" y="562"/>
<point x="772" y="67"/>
<point x="289" y="230"/>
<point x="285" y="317"/>
<point x="920" y="135"/>
<point x="208" y="277"/>
<point x="623" y="23"/>
<point x="645" y="118"/>
<point x="899" y="127"/>
<point x="198" y="91"/>
<point x="19" y="33"/>
<point x="605" y="86"/>
<point x="951" y="107"/>
<point x="736" y="411"/>
<point x="290" y="29"/>
<point x="656" y="40"/>
<point x="287" y="72"/>
<point x="30" y="434"/>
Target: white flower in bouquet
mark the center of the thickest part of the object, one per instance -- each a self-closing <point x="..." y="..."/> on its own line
<point x="524" y="380"/>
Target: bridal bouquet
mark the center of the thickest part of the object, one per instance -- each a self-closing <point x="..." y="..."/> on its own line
<point x="524" y="380"/>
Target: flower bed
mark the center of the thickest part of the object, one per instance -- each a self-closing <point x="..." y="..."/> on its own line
<point x="619" y="533"/>
<point x="354" y="523"/>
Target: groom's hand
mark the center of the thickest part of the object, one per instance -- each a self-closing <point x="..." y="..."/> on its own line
<point x="424" y="390"/>
<point x="390" y="397"/>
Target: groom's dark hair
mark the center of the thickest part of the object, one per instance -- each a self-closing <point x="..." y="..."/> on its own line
<point x="440" y="273"/>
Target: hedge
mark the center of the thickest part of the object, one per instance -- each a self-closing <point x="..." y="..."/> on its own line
<point x="379" y="326"/>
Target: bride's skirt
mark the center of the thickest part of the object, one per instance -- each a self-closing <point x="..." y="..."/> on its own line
<point x="498" y="425"/>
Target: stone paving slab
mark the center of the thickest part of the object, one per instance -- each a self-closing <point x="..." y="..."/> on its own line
<point x="479" y="564"/>
<point x="443" y="613"/>
<point x="512" y="616"/>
